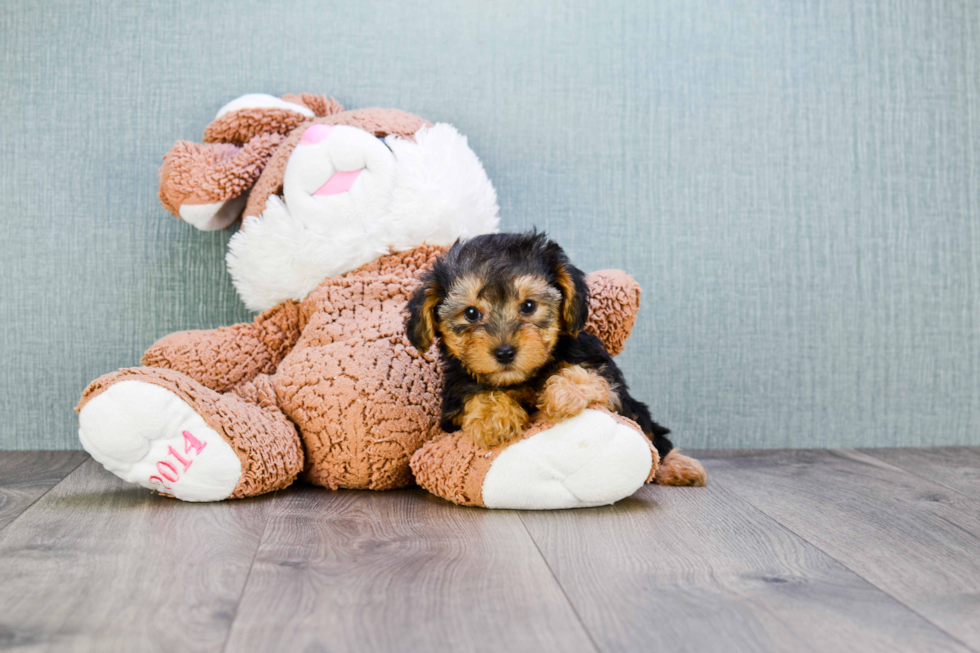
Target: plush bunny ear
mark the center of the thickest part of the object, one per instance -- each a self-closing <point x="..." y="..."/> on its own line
<point x="250" y="115"/>
<point x="321" y="105"/>
<point x="207" y="185"/>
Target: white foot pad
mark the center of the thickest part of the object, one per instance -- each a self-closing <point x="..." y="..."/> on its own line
<point x="146" y="434"/>
<point x="589" y="460"/>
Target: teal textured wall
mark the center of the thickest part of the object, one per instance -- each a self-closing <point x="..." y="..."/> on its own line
<point x="795" y="184"/>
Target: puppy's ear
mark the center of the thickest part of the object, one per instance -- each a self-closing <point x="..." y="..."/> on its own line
<point x="420" y="327"/>
<point x="575" y="299"/>
<point x="574" y="291"/>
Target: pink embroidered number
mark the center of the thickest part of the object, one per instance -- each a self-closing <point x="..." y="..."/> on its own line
<point x="190" y="442"/>
<point x="168" y="471"/>
<point x="183" y="461"/>
<point x="173" y="476"/>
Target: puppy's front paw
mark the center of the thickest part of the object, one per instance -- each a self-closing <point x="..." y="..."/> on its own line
<point x="492" y="418"/>
<point x="571" y="391"/>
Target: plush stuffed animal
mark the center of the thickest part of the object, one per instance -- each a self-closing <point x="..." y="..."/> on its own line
<point x="341" y="209"/>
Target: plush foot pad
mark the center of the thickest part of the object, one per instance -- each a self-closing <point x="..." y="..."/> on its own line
<point x="146" y="434"/>
<point x="678" y="469"/>
<point x="592" y="459"/>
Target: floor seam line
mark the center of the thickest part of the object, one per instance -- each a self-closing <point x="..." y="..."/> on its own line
<point x="568" y="600"/>
<point x="45" y="493"/>
<point x="248" y="577"/>
<point x="853" y="571"/>
<point x="917" y="475"/>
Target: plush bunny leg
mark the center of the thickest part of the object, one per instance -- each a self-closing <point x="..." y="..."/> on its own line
<point x="162" y="430"/>
<point x="229" y="356"/>
<point x="595" y="458"/>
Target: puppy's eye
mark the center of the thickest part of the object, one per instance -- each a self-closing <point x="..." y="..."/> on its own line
<point x="471" y="314"/>
<point x="528" y="307"/>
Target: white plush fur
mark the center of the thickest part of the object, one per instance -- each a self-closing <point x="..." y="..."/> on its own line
<point x="262" y="101"/>
<point x="441" y="192"/>
<point x="213" y="216"/>
<point x="433" y="190"/>
<point x="588" y="460"/>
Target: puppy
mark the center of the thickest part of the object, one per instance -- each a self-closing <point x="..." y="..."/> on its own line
<point x="510" y="312"/>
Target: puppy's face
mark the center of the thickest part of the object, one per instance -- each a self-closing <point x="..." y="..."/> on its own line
<point x="500" y="302"/>
<point x="501" y="330"/>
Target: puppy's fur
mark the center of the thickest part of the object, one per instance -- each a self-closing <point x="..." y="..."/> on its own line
<point x="510" y="312"/>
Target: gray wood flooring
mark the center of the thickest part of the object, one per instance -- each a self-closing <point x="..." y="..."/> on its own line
<point x="872" y="550"/>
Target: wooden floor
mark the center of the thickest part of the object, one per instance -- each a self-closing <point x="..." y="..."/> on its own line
<point x="791" y="550"/>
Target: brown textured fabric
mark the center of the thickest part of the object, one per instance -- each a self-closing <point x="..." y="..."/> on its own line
<point x="264" y="440"/>
<point x="239" y="127"/>
<point x="362" y="397"/>
<point x="379" y="122"/>
<point x="453" y="467"/>
<point x="259" y="391"/>
<point x="402" y="264"/>
<point x="613" y="304"/>
<point x="200" y="174"/>
<point x="222" y="358"/>
<point x="321" y="105"/>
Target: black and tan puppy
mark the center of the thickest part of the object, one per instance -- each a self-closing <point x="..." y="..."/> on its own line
<point x="510" y="312"/>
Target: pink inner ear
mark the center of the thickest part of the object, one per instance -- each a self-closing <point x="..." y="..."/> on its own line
<point x="315" y="134"/>
<point x="339" y="182"/>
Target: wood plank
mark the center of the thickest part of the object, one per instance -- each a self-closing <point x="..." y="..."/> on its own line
<point x="100" y="565"/>
<point x="957" y="468"/>
<point x="697" y="569"/>
<point x="399" y="571"/>
<point x="26" y="475"/>
<point x="916" y="540"/>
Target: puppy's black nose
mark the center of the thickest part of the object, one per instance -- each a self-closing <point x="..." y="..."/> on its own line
<point x="504" y="354"/>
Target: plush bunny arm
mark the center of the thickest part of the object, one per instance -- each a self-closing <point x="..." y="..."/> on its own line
<point x="223" y="358"/>
<point x="614" y="299"/>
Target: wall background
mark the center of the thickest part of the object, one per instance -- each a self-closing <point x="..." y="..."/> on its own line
<point x="795" y="184"/>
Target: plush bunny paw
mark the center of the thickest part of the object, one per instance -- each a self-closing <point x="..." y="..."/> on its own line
<point x="146" y="434"/>
<point x="164" y="431"/>
<point x="593" y="459"/>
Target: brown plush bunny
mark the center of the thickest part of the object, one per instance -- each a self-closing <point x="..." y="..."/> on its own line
<point x="342" y="210"/>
